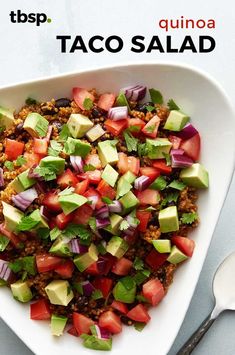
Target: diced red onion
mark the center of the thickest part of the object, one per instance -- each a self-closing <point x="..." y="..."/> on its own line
<point x="103" y="212"/>
<point x="187" y="132"/>
<point x="76" y="247"/>
<point x="181" y="161"/>
<point x="24" y="199"/>
<point x="93" y="201"/>
<point x="177" y="152"/>
<point x="44" y="212"/>
<point x="118" y="113"/>
<point x="102" y="223"/>
<point x="40" y="187"/>
<point x="142" y="182"/>
<point x="49" y="132"/>
<point x="88" y="288"/>
<point x="77" y="163"/>
<point x="1" y="178"/>
<point x="5" y="272"/>
<point x="115" y="207"/>
<point x="131" y="221"/>
<point x="101" y="333"/>
<point x="135" y="93"/>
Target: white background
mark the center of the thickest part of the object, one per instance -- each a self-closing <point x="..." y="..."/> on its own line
<point x="29" y="52"/>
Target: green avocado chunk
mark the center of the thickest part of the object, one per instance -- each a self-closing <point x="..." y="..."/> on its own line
<point x="12" y="217"/>
<point x="125" y="290"/>
<point x="129" y="176"/>
<point x="36" y="125"/>
<point x="36" y="216"/>
<point x="129" y="201"/>
<point x="156" y="148"/>
<point x="162" y="245"/>
<point x="58" y="324"/>
<point x="176" y="256"/>
<point x="115" y="221"/>
<point x="92" y="342"/>
<point x="196" y="176"/>
<point x="95" y="133"/>
<point x="54" y="163"/>
<point x="168" y="219"/>
<point x="117" y="246"/>
<point x="107" y="153"/>
<point x="76" y="147"/>
<point x="78" y="125"/>
<point x="61" y="247"/>
<point x="123" y="187"/>
<point x="21" y="291"/>
<point x="6" y="118"/>
<point x="83" y="261"/>
<point x="70" y="203"/>
<point x="24" y="181"/>
<point x="59" y="292"/>
<point x="110" y="175"/>
<point x="176" y="121"/>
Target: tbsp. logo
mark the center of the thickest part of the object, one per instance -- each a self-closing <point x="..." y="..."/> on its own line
<point x="21" y="17"/>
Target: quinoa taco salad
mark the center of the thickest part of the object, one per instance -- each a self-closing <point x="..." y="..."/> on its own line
<point x="98" y="199"/>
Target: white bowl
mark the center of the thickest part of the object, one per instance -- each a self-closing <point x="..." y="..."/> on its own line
<point x="211" y="112"/>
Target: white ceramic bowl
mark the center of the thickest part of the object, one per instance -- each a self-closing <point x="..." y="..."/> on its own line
<point x="211" y="112"/>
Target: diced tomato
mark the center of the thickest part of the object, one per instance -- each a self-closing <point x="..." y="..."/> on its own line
<point x="152" y="173"/>
<point x="82" y="214"/>
<point x="151" y="128"/>
<point x="176" y="141"/>
<point x="40" y="310"/>
<point x="135" y="125"/>
<point x="160" y="164"/>
<point x="115" y="127"/>
<point x="82" y="323"/>
<point x="122" y="266"/>
<point x="105" y="190"/>
<point x="62" y="220"/>
<point x="122" y="163"/>
<point x="94" y="176"/>
<point x="111" y="322"/>
<point x="51" y="201"/>
<point x="31" y="159"/>
<point x="143" y="217"/>
<point x="128" y="163"/>
<point x="184" y="244"/>
<point x="106" y="101"/>
<point x="92" y="192"/>
<point x="94" y="160"/>
<point x="72" y="331"/>
<point x="14" y="239"/>
<point x="65" y="269"/>
<point x="92" y="269"/>
<point x="148" y="197"/>
<point x="104" y="284"/>
<point x="119" y="306"/>
<point x="80" y="94"/>
<point x="192" y="147"/>
<point x="81" y="187"/>
<point x="139" y="313"/>
<point x="131" y="239"/>
<point x="13" y="149"/>
<point x="40" y="146"/>
<point x="155" y="259"/>
<point x="67" y="179"/>
<point x="153" y="291"/>
<point x="46" y="262"/>
<point x="106" y="263"/>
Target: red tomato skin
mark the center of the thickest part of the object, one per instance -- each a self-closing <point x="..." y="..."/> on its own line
<point x="149" y="171"/>
<point x="94" y="160"/>
<point x="126" y="163"/>
<point x="136" y="122"/>
<point x="65" y="269"/>
<point x="14" y="239"/>
<point x="119" y="306"/>
<point x="82" y="323"/>
<point x="40" y="146"/>
<point x="139" y="314"/>
<point x="92" y="269"/>
<point x="143" y="217"/>
<point x="104" y="284"/>
<point x="105" y="190"/>
<point x="109" y="261"/>
<point x="106" y="101"/>
<point x="81" y="187"/>
<point x="40" y="310"/>
<point x="122" y="266"/>
<point x="160" y="164"/>
<point x="80" y="94"/>
<point x="184" y="244"/>
<point x="62" y="220"/>
<point x="153" y="291"/>
<point x="155" y="259"/>
<point x="93" y="177"/>
<point x="82" y="214"/>
<point x="93" y="192"/>
<point x="115" y="127"/>
<point x="67" y="179"/>
<point x="46" y="262"/>
<point x="154" y="122"/>
<point x="72" y="331"/>
<point x="176" y="141"/>
<point x="192" y="147"/>
<point x="111" y="322"/>
<point x="148" y="197"/>
<point x="13" y="149"/>
<point x="32" y="159"/>
<point x="51" y="201"/>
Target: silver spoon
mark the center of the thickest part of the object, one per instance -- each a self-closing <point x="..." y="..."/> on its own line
<point x="224" y="292"/>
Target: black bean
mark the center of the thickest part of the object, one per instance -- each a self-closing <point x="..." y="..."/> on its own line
<point x="63" y="102"/>
<point x="143" y="107"/>
<point x="96" y="112"/>
<point x="19" y="128"/>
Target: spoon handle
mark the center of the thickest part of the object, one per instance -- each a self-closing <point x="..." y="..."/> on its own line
<point x="192" y="342"/>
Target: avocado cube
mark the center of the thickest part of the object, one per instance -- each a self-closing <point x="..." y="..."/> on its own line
<point x="176" y="121"/>
<point x="95" y="133"/>
<point x="162" y="245"/>
<point x="156" y="148"/>
<point x="58" y="324"/>
<point x="12" y="217"/>
<point x="117" y="247"/>
<point x="176" y="256"/>
<point x="129" y="201"/>
<point x="129" y="176"/>
<point x="78" y="125"/>
<point x="59" y="292"/>
<point x="115" y="221"/>
<point x="123" y="187"/>
<point x="168" y="219"/>
<point x="70" y="203"/>
<point x="60" y="247"/>
<point x="36" y="216"/>
<point x="110" y="175"/>
<point x="36" y="125"/>
<point x="24" y="182"/>
<point x="107" y="153"/>
<point x="124" y="294"/>
<point x="95" y="343"/>
<point x="196" y="176"/>
<point x="55" y="163"/>
<point x="21" y="291"/>
<point x="6" y="118"/>
<point x="82" y="262"/>
<point x="76" y="147"/>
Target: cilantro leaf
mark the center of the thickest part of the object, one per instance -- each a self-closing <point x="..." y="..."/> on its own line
<point x="159" y="184"/>
<point x="27" y="223"/>
<point x="92" y="223"/>
<point x="139" y="326"/>
<point x="189" y="218"/>
<point x="30" y="101"/>
<point x="141" y="276"/>
<point x="134" y="128"/>
<point x="124" y="225"/>
<point x="64" y="133"/>
<point x="9" y="165"/>
<point x="47" y="173"/>
<point x="128" y="282"/>
<point x="55" y="148"/>
<point x="43" y="233"/>
<point x="170" y="197"/>
<point x="176" y="184"/>
<point x="96" y="295"/>
<point x="55" y="233"/>
<point x="172" y="105"/>
<point x="26" y="263"/>
<point x="4" y="241"/>
<point x="87" y="103"/>
<point x="74" y="230"/>
<point x="141" y="298"/>
<point x="21" y="160"/>
<point x="107" y="200"/>
<point x="88" y="167"/>
<point x="15" y="266"/>
<point x="150" y="129"/>
<point x="156" y="96"/>
<point x="131" y="142"/>
<point x="150" y="108"/>
<point x="142" y="151"/>
<point x="138" y="263"/>
<point x="67" y="191"/>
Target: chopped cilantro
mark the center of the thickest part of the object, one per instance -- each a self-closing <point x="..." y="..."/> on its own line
<point x="87" y="103"/>
<point x="47" y="173"/>
<point x="27" y="223"/>
<point x="67" y="191"/>
<point x="79" y="230"/>
<point x="172" y="105"/>
<point x="141" y="150"/>
<point x="96" y="295"/>
<point x="78" y="287"/>
<point x="134" y="128"/>
<point x="15" y="266"/>
<point x="92" y="223"/>
<point x="138" y="263"/>
<point x="131" y="142"/>
<point x="159" y="184"/>
<point x="101" y="249"/>
<point x="107" y="200"/>
<point x="26" y="263"/>
<point x="55" y="148"/>
<point x="64" y="133"/>
<point x="21" y="160"/>
<point x="139" y="326"/>
<point x="88" y="167"/>
<point x="43" y="233"/>
<point x="176" y="184"/>
<point x="128" y="282"/>
<point x="189" y="218"/>
<point x="124" y="225"/>
<point x="156" y="96"/>
<point x="141" y="298"/>
<point x="150" y="108"/>
<point x="140" y="277"/>
<point x="30" y="101"/>
<point x="150" y="129"/>
<point x="24" y="276"/>
<point x="4" y="241"/>
<point x="170" y="197"/>
<point x="55" y="233"/>
<point x="9" y="165"/>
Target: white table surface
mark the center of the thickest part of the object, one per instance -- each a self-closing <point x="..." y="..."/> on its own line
<point x="29" y="52"/>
